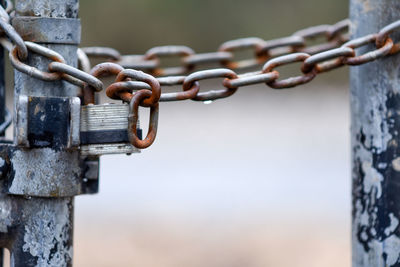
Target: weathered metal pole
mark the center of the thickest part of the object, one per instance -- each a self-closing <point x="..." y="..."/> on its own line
<point x="2" y="85"/>
<point x="375" y="113"/>
<point x="37" y="198"/>
<point x="2" y="110"/>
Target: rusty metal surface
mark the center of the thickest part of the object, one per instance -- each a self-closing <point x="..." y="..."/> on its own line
<point x="190" y="82"/>
<point x="263" y="50"/>
<point x="133" y="117"/>
<point x="368" y="56"/>
<point x="284" y="60"/>
<point x="332" y="53"/>
<point x="328" y="60"/>
<point x="315" y="59"/>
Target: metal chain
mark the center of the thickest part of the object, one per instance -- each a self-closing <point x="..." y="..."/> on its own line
<point x="143" y="89"/>
<point x="151" y="61"/>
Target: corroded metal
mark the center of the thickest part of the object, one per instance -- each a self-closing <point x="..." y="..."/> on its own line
<point x="284" y="60"/>
<point x="116" y="93"/>
<point x="335" y="35"/>
<point x="382" y="51"/>
<point x="36" y="222"/>
<point x="37" y="232"/>
<point x="190" y="82"/>
<point x="375" y="105"/>
<point x="133" y="117"/>
<point x="315" y="59"/>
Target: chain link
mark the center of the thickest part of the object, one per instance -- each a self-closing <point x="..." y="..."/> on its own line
<point x="144" y="89"/>
<point x="263" y="50"/>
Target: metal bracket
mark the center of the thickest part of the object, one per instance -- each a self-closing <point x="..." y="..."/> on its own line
<point x="48" y="122"/>
<point x="26" y="172"/>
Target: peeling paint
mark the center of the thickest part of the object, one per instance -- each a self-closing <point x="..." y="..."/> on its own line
<point x="372" y="179"/>
<point x="5" y="214"/>
<point x="47" y="233"/>
<point x="375" y="106"/>
<point x="45" y="172"/>
<point x="394" y="222"/>
<point x="54" y="8"/>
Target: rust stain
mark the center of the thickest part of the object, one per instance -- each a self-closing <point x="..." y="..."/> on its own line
<point x="367" y="7"/>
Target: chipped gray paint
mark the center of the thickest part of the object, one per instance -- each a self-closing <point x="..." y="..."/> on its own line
<point x="5" y="213"/>
<point x="375" y="106"/>
<point x="45" y="172"/>
<point x="52" y="224"/>
<point x="45" y="8"/>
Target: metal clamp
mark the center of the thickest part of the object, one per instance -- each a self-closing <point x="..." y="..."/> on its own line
<point x="51" y="122"/>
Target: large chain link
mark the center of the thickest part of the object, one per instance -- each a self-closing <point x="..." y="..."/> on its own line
<point x="139" y="78"/>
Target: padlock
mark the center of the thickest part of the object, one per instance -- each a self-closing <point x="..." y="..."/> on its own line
<point x="103" y="130"/>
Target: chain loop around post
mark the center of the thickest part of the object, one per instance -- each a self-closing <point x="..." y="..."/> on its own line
<point x="369" y="56"/>
<point x="33" y="71"/>
<point x="384" y="33"/>
<point x="15" y="38"/>
<point x="319" y="62"/>
<point x="82" y="76"/>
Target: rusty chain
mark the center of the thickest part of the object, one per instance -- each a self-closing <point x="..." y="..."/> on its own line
<point x="139" y="78"/>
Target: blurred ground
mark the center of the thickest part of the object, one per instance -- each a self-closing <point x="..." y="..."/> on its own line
<point x="260" y="243"/>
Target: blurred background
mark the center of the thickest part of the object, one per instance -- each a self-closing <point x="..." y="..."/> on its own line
<point x="259" y="179"/>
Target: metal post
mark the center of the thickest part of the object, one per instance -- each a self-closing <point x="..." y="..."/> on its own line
<point x="2" y="110"/>
<point x="375" y="113"/>
<point x="2" y="85"/>
<point x="37" y="198"/>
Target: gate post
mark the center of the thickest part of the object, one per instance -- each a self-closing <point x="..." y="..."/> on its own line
<point x="37" y="195"/>
<point x="375" y="134"/>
